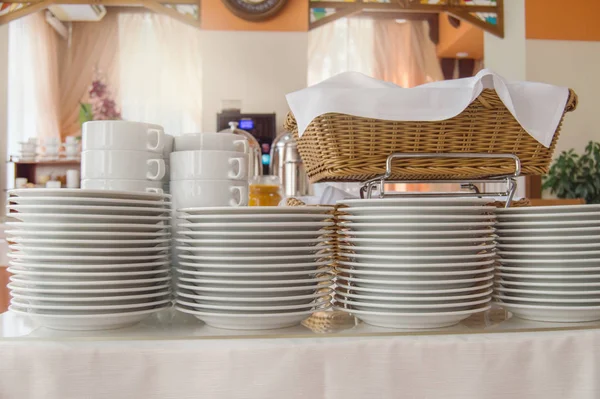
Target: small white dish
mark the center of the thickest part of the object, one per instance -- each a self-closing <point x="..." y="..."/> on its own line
<point x="540" y="255"/>
<point x="87" y="219"/>
<point x="549" y="240"/>
<point x="83" y="243"/>
<point x="556" y="314"/>
<point x="421" y="266"/>
<point x="253" y="210"/>
<point x="254" y="275"/>
<point x="88" y="259"/>
<point x="91" y="267"/>
<point x="249" y="308"/>
<point x="256" y="218"/>
<point x="549" y="217"/>
<point x="51" y="250"/>
<point x="420" y="202"/>
<point x="443" y="292"/>
<point x="418" y="251"/>
<point x="88" y="201"/>
<point x="97" y="291"/>
<point x="254" y="283"/>
<point x="259" y="227"/>
<point x="527" y="210"/>
<point x="439" y="299"/>
<point x="417" y="234"/>
<point x="413" y="320"/>
<point x="28" y="295"/>
<point x="240" y="267"/>
<point x="550" y="224"/>
<point x="550" y="270"/>
<point x="259" y="292"/>
<point x="536" y="277"/>
<point x="419" y="283"/>
<point x="89" y="227"/>
<point x="256" y="235"/>
<point x="551" y="285"/>
<point x="412" y="275"/>
<point x="578" y="262"/>
<point x="245" y="300"/>
<point x="253" y="260"/>
<point x="553" y="247"/>
<point x="135" y="283"/>
<point x="542" y="293"/>
<point x="88" y="322"/>
<point x="76" y="192"/>
<point x="29" y="305"/>
<point x="417" y="242"/>
<point x="89" y="210"/>
<point x="251" y="251"/>
<point x="415" y="259"/>
<point x="416" y="227"/>
<point x="556" y="301"/>
<point x="549" y="232"/>
<point x="424" y="216"/>
<point x="250" y="243"/>
<point x="89" y="235"/>
<point x="411" y="307"/>
<point x="418" y="210"/>
<point x="74" y="275"/>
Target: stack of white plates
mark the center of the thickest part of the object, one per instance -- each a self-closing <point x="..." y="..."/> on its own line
<point x="88" y="259"/>
<point x="253" y="267"/>
<point x="415" y="263"/>
<point x="550" y="262"/>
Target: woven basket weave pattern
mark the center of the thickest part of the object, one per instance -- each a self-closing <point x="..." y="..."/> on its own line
<point x="337" y="147"/>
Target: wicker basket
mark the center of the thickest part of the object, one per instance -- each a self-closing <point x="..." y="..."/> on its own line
<point x="338" y="147"/>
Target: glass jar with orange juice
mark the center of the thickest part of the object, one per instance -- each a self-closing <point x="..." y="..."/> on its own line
<point x="265" y="191"/>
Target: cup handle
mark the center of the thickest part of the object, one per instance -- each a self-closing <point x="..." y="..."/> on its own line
<point x="159" y="138"/>
<point x="243" y="193"/>
<point x="155" y="190"/>
<point x="242" y="168"/>
<point x="244" y="144"/>
<point x="160" y="166"/>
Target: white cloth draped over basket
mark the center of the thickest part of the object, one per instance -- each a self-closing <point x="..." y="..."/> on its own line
<point x="538" y="107"/>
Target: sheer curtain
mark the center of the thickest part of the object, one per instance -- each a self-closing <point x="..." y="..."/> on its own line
<point x="33" y="93"/>
<point x="344" y="45"/>
<point x="160" y="75"/>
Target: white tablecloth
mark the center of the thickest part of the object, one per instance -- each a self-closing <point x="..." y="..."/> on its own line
<point x="548" y="365"/>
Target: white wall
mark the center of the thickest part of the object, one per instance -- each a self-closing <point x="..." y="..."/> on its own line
<point x="3" y="110"/>
<point x="258" y="68"/>
<point x="572" y="64"/>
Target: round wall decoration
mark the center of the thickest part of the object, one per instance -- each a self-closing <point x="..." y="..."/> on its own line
<point x="255" y="10"/>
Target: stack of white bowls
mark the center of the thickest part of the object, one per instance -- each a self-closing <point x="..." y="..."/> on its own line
<point x="415" y="262"/>
<point x="550" y="262"/>
<point x="121" y="155"/>
<point x="253" y="267"/>
<point x="88" y="259"/>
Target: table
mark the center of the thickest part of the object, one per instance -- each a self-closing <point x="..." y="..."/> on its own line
<point x="182" y="358"/>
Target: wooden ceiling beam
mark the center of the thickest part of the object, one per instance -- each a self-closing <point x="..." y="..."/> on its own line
<point x="23" y="12"/>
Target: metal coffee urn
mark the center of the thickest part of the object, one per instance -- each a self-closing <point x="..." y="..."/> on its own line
<point x="287" y="164"/>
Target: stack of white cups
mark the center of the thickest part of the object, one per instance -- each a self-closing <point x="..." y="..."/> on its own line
<point x="124" y="156"/>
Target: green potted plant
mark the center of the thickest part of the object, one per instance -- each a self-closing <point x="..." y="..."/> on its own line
<point x="576" y="176"/>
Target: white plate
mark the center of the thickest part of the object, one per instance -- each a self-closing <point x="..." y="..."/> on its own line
<point x="542" y="270"/>
<point x="235" y="268"/>
<point x="416" y="227"/>
<point x="402" y="251"/>
<point x="245" y="300"/>
<point x="255" y="218"/>
<point x="28" y="295"/>
<point x="545" y="301"/>
<point x="91" y="267"/>
<point x="257" y="321"/>
<point x="416" y="292"/>
<point x="87" y="201"/>
<point x="552" y="224"/>
<point x="541" y="293"/>
<point x="251" y="260"/>
<point x="83" y="243"/>
<point x="76" y="192"/>
<point x="420" y="202"/>
<point x="89" y="210"/>
<point x="88" y="235"/>
<point x="550" y="232"/>
<point x="248" y="308"/>
<point x="69" y="276"/>
<point x="409" y="276"/>
<point x="552" y="262"/>
<point x="540" y="255"/>
<point x="30" y="282"/>
<point x="536" y="277"/>
<point x="411" y="307"/>
<point x="420" y="266"/>
<point x="251" y="251"/>
<point x="402" y="234"/>
<point x="259" y="292"/>
<point x="424" y="216"/>
<point x="415" y="260"/>
<point x="418" y="210"/>
<point x="88" y="322"/>
<point x="416" y="284"/>
<point x="550" y="240"/>
<point x="421" y="243"/>
<point x="557" y="314"/>
<point x="96" y="260"/>
<point x="563" y="247"/>
<point x="24" y="304"/>
<point x="253" y="210"/>
<point x="86" y="219"/>
<point x="98" y="291"/>
<point x="89" y="227"/>
<point x="43" y="250"/>
<point x="550" y="209"/>
<point x="253" y="283"/>
<point x="413" y="320"/>
<point x="412" y="299"/>
<point x="251" y="228"/>
<point x="550" y="217"/>
<point x="551" y="285"/>
<point x="246" y="243"/>
<point x="254" y="275"/>
<point x="256" y="235"/>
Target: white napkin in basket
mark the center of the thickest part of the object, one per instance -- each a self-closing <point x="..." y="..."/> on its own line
<point x="538" y="107"/>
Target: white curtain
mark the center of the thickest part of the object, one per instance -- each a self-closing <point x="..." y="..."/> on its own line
<point x="33" y="106"/>
<point x="160" y="72"/>
<point x="343" y="45"/>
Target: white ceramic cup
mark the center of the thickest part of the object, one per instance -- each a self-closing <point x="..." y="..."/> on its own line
<point x="203" y="193"/>
<point x="123" y="185"/>
<point x="122" y="135"/>
<point x="136" y="165"/>
<point x="53" y="184"/>
<point x="211" y="141"/>
<point x="73" y="180"/>
<point x="209" y="165"/>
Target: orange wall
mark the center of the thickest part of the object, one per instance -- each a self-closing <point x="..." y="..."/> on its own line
<point x="292" y="18"/>
<point x="466" y="39"/>
<point x="562" y="20"/>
